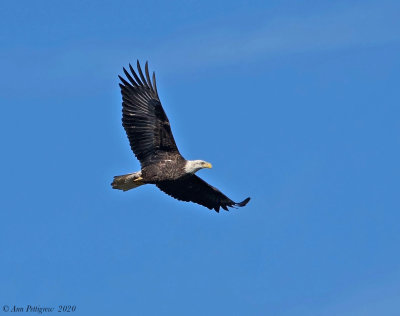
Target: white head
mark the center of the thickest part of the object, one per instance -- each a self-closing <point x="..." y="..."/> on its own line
<point x="193" y="166"/>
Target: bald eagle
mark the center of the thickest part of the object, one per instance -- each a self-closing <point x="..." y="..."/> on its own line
<point x="151" y="140"/>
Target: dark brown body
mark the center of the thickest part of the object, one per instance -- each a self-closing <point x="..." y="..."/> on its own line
<point x="171" y="168"/>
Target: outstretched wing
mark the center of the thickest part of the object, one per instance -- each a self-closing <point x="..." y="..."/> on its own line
<point x="191" y="188"/>
<point x="143" y="117"/>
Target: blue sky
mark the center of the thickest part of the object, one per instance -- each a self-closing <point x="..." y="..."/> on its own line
<point x="295" y="103"/>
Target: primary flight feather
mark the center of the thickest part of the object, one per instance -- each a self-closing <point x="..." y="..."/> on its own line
<point x="152" y="142"/>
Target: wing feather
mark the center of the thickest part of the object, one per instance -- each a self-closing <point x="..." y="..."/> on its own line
<point x="141" y="75"/>
<point x="154" y="83"/>
<point x="191" y="188"/>
<point x="143" y="117"/>
<point x="135" y="75"/>
<point x="146" y="69"/>
<point x="132" y="81"/>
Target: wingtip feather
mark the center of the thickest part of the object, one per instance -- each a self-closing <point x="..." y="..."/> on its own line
<point x="133" y="82"/>
<point x="141" y="74"/>
<point x="135" y="75"/>
<point x="146" y="68"/>
<point x="154" y="83"/>
<point x="126" y="83"/>
<point x="243" y="203"/>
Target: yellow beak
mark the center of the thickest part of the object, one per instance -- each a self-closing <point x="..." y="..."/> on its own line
<point x="208" y="165"/>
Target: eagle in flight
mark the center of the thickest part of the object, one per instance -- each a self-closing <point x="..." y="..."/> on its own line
<point x="150" y="137"/>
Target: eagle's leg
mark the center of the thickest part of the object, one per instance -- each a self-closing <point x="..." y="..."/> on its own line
<point x="138" y="179"/>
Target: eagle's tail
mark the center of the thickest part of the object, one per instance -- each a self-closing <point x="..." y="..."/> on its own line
<point x="128" y="181"/>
